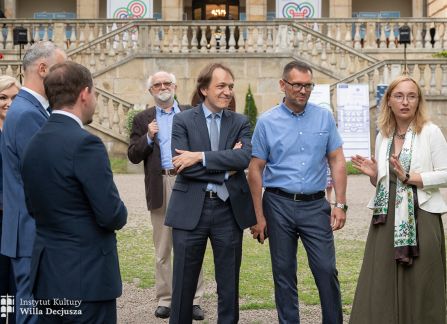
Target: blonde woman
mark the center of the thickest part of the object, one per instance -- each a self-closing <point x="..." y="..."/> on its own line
<point x="403" y="276"/>
<point x="9" y="87"/>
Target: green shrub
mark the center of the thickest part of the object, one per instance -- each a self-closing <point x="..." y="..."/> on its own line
<point x="441" y="54"/>
<point x="130" y="116"/>
<point x="250" y="109"/>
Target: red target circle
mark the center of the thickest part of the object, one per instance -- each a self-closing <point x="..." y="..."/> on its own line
<point x="137" y="8"/>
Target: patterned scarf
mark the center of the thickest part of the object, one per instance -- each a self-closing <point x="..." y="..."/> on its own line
<point x="405" y="223"/>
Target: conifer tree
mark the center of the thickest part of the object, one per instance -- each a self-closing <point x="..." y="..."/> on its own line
<point x="250" y="109"/>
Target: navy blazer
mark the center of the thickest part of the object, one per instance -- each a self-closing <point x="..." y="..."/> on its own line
<point x="190" y="132"/>
<point x="25" y="117"/>
<point x="71" y="194"/>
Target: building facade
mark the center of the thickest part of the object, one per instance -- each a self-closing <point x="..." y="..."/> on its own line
<point x="250" y="10"/>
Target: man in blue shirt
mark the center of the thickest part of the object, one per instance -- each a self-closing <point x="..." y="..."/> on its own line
<point x="150" y="141"/>
<point x="291" y="144"/>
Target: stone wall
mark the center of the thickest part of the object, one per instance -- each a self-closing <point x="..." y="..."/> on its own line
<point x="129" y="80"/>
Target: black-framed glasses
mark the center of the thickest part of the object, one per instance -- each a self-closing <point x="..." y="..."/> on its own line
<point x="299" y="86"/>
<point x="158" y="85"/>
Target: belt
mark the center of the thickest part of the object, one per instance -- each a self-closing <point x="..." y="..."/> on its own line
<point x="211" y="194"/>
<point x="297" y="196"/>
<point x="169" y="172"/>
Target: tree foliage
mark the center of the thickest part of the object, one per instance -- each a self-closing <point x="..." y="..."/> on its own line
<point x="250" y="109"/>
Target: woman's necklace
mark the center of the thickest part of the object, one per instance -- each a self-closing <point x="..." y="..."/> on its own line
<point x="400" y="136"/>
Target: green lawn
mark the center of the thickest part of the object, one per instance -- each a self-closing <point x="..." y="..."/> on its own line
<point x="256" y="284"/>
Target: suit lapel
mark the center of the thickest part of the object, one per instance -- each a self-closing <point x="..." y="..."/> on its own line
<point x="28" y="96"/>
<point x="200" y="123"/>
<point x="225" y="125"/>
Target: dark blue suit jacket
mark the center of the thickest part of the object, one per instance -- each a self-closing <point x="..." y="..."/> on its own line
<point x="190" y="132"/>
<point x="25" y="117"/>
<point x="71" y="194"/>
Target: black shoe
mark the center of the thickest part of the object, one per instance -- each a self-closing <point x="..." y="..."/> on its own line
<point x="197" y="313"/>
<point x="162" y="312"/>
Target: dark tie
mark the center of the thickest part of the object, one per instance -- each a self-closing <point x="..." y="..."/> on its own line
<point x="221" y="190"/>
<point x="49" y="110"/>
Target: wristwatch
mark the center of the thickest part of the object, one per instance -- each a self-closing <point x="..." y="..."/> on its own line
<point x="342" y="206"/>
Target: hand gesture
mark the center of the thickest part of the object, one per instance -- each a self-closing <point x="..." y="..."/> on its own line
<point x="152" y="129"/>
<point x="238" y="145"/>
<point x="364" y="165"/>
<point x="397" y="167"/>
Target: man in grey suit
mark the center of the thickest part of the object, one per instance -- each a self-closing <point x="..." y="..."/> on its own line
<point x="210" y="198"/>
<point x="28" y="112"/>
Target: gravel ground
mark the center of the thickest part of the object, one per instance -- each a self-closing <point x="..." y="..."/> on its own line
<point x="136" y="305"/>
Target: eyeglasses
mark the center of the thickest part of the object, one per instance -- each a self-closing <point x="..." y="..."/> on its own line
<point x="299" y="86"/>
<point x="401" y="97"/>
<point x="158" y="85"/>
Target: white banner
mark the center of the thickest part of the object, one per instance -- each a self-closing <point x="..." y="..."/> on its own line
<point x="353" y="119"/>
<point x="129" y="9"/>
<point x="321" y="96"/>
<point x="294" y="9"/>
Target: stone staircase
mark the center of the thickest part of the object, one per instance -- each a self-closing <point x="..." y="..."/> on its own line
<point x="340" y="51"/>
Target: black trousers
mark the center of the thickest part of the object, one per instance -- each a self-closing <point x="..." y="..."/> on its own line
<point x="218" y="224"/>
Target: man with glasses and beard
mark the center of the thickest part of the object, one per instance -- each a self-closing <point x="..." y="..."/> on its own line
<point x="150" y="141"/>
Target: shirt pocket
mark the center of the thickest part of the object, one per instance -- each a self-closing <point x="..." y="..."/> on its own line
<point x="319" y="140"/>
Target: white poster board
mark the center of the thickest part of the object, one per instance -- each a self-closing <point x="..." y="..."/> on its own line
<point x="294" y="9"/>
<point x="321" y="96"/>
<point x="130" y="9"/>
<point x="353" y="119"/>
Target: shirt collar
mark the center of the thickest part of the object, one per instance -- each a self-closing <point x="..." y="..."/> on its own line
<point x="43" y="101"/>
<point x="175" y="107"/>
<point x="208" y="112"/>
<point x="287" y="109"/>
<point x="69" y="114"/>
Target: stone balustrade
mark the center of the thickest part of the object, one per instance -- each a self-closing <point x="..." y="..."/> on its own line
<point x="430" y="74"/>
<point x="383" y="33"/>
<point x="111" y="114"/>
<point x="185" y="36"/>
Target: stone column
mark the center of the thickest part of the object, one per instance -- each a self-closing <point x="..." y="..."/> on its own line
<point x="256" y="10"/>
<point x="418" y="8"/>
<point x="87" y="9"/>
<point x="172" y="10"/>
<point x="340" y="8"/>
<point x="10" y="9"/>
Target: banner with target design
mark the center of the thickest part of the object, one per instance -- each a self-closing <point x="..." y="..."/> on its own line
<point x="129" y="9"/>
<point x="296" y="9"/>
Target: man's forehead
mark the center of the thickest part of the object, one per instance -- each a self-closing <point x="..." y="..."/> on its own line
<point x="161" y="76"/>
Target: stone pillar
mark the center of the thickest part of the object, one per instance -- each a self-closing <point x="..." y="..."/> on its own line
<point x="340" y="8"/>
<point x="10" y="9"/>
<point x="87" y="9"/>
<point x="418" y="8"/>
<point x="256" y="10"/>
<point x="172" y="10"/>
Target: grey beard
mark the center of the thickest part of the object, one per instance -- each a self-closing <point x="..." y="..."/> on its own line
<point x="165" y="96"/>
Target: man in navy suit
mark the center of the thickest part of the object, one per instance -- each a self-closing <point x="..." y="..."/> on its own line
<point x="70" y="192"/>
<point x="210" y="198"/>
<point x="27" y="114"/>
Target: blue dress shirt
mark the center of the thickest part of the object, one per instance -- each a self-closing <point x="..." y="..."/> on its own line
<point x="208" y="113"/>
<point x="295" y="146"/>
<point x="164" y="121"/>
